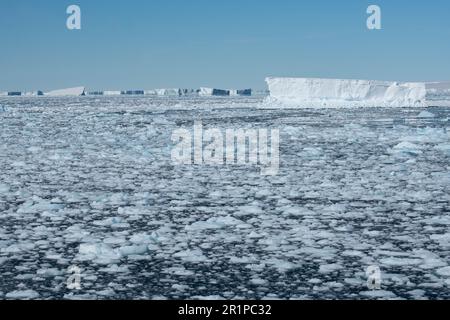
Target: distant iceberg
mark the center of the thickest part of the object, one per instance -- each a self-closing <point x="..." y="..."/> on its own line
<point x="14" y="94"/>
<point x="95" y="93"/>
<point x="310" y="92"/>
<point x="168" y="92"/>
<point x="205" y="92"/>
<point x="111" y="93"/>
<point x="78" y="91"/>
<point x="33" y="93"/>
<point x="244" y="92"/>
<point x="132" y="92"/>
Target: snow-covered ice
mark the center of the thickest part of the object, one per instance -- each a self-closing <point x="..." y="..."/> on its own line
<point x="76" y="91"/>
<point x="89" y="182"/>
<point x="309" y="92"/>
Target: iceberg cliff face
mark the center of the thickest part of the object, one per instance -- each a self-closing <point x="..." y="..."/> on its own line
<point x="307" y="92"/>
<point x="438" y="94"/>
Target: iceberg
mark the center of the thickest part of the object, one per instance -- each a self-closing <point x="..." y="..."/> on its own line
<point x="204" y="92"/>
<point x="77" y="91"/>
<point x="95" y="93"/>
<point x="111" y="93"/>
<point x="207" y="92"/>
<point x="132" y="92"/>
<point x="164" y="92"/>
<point x="312" y="92"/>
<point x="244" y="92"/>
<point x="188" y="92"/>
<point x="33" y="93"/>
<point x="168" y="92"/>
<point x="224" y="92"/>
<point x="438" y="94"/>
<point x="14" y="94"/>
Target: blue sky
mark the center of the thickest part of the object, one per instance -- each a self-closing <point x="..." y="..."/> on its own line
<point x="143" y="44"/>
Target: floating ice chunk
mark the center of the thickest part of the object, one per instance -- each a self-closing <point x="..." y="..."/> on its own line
<point x="75" y="234"/>
<point x="444" y="148"/>
<point x="133" y="250"/>
<point x="115" y="269"/>
<point x="379" y="294"/>
<point x="330" y="268"/>
<point x="242" y="260"/>
<point x="4" y="188"/>
<point x="135" y="211"/>
<point x="22" y="294"/>
<point x="258" y="281"/>
<point x="282" y="266"/>
<point x="442" y="239"/>
<point x="445" y="272"/>
<point x="179" y="271"/>
<point x="407" y="148"/>
<point x="430" y="259"/>
<point x="49" y="272"/>
<point x="297" y="212"/>
<point x="208" y="298"/>
<point x="115" y="222"/>
<point x="193" y="256"/>
<point x="426" y="114"/>
<point x="19" y="247"/>
<point x="214" y="223"/>
<point x="312" y="152"/>
<point x="99" y="253"/>
<point x="249" y="210"/>
<point x="396" y="261"/>
<point x="114" y="240"/>
<point x="38" y="205"/>
<point x="142" y="238"/>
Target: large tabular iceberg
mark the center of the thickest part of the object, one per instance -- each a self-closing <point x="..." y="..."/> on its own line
<point x="307" y="92"/>
<point x="78" y="91"/>
<point x="438" y="94"/>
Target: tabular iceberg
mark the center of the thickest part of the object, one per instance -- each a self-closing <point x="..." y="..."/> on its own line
<point x="14" y="94"/>
<point x="111" y="93"/>
<point x="308" y="92"/>
<point x="168" y="92"/>
<point x="77" y="91"/>
<point x="206" y="92"/>
<point x="438" y="94"/>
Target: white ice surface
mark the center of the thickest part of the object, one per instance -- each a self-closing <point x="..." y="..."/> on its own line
<point x="76" y="91"/>
<point x="309" y="92"/>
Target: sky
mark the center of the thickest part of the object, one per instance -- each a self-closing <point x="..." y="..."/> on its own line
<point x="145" y="44"/>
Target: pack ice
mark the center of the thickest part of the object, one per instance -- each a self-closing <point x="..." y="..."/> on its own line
<point x="309" y="92"/>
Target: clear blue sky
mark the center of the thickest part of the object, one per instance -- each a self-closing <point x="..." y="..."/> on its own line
<point x="232" y="43"/>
